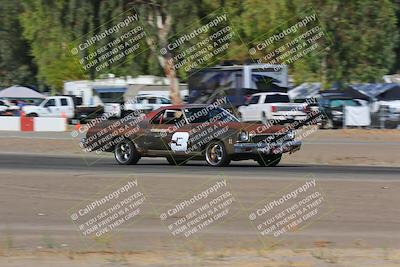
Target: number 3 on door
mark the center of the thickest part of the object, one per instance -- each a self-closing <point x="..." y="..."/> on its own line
<point x="179" y="141"/>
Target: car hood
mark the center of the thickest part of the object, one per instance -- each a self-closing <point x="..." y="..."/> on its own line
<point x="256" y="128"/>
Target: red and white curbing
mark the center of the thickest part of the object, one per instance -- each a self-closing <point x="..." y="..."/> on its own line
<point x="33" y="124"/>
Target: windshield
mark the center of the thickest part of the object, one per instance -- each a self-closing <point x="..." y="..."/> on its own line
<point x="335" y="103"/>
<point x="200" y="115"/>
<point x="278" y="98"/>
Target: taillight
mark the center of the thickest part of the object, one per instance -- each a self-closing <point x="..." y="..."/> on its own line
<point x="273" y="108"/>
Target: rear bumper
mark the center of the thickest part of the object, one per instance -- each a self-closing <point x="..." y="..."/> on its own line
<point x="288" y="118"/>
<point x="267" y="149"/>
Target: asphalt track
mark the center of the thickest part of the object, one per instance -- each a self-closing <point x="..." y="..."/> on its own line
<point x="249" y="168"/>
<point x="37" y="192"/>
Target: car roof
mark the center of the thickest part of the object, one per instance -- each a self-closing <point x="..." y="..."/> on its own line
<point x="271" y="93"/>
<point x="337" y="97"/>
<point x="152" y="95"/>
<point x="181" y="106"/>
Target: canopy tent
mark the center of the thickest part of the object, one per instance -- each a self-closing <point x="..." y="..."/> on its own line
<point x="380" y="91"/>
<point x="16" y="91"/>
<point x="304" y="91"/>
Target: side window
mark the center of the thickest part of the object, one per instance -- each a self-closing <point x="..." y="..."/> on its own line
<point x="64" y="102"/>
<point x="152" y="100"/>
<point x="254" y="99"/>
<point x="165" y="101"/>
<point x="172" y="116"/>
<point x="169" y="116"/>
<point x="50" y="103"/>
<point x="157" y="118"/>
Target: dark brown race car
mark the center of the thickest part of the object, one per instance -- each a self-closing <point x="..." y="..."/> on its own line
<point x="191" y="132"/>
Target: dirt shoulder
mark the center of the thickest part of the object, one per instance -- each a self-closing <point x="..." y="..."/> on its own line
<point x="335" y="147"/>
<point x="319" y="256"/>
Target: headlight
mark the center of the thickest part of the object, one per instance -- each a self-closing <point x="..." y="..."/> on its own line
<point x="336" y="113"/>
<point x="291" y="134"/>
<point x="244" y="136"/>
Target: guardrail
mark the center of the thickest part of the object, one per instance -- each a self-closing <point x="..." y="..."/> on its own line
<point x="33" y="124"/>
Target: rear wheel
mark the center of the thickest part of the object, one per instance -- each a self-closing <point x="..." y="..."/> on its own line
<point x="216" y="154"/>
<point x="269" y="160"/>
<point x="125" y="153"/>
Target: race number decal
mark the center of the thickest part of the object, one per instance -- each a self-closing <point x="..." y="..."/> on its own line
<point x="179" y="141"/>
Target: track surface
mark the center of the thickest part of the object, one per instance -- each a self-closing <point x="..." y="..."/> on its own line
<point x="160" y="166"/>
<point x="37" y="192"/>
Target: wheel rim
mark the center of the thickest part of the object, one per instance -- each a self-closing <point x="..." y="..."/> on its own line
<point x="214" y="154"/>
<point x="123" y="152"/>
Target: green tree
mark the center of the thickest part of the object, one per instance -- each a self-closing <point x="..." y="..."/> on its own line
<point x="50" y="42"/>
<point x="16" y="66"/>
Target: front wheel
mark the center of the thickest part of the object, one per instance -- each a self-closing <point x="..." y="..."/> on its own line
<point x="269" y="160"/>
<point x="216" y="154"/>
<point x="125" y="153"/>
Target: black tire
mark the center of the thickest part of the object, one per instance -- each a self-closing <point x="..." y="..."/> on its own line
<point x="264" y="119"/>
<point x="328" y="124"/>
<point x="176" y="161"/>
<point x="269" y="160"/>
<point x="216" y="155"/>
<point x="125" y="153"/>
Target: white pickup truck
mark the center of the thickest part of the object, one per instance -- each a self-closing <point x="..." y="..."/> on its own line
<point x="54" y="106"/>
<point x="272" y="107"/>
<point x="62" y="106"/>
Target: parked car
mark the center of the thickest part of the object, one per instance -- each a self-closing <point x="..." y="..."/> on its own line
<point x="145" y="103"/>
<point x="385" y="114"/>
<point x="272" y="106"/>
<point x="6" y="105"/>
<point x="176" y="133"/>
<point x="62" y="106"/>
<point x="332" y="106"/>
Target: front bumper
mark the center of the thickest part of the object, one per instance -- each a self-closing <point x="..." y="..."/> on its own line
<point x="267" y="148"/>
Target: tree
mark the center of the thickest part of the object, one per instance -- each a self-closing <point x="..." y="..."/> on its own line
<point x="50" y="42"/>
<point x="16" y="66"/>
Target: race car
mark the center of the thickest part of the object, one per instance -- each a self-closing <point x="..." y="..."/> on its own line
<point x="191" y="132"/>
